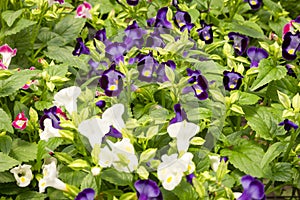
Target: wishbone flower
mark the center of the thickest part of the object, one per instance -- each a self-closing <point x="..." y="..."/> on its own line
<point x="49" y="130"/>
<point x="67" y="97"/>
<point x="7" y="53"/>
<point x="22" y="174"/>
<point x="83" y="10"/>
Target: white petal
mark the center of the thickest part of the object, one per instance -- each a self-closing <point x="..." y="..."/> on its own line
<point x="215" y="162"/>
<point x="113" y="116"/>
<point x="67" y="97"/>
<point x="49" y="131"/>
<point x="106" y="157"/>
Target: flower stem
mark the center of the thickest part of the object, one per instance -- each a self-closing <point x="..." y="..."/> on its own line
<point x="294" y="135"/>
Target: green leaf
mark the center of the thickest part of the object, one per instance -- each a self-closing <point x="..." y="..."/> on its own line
<point x="10" y="16"/>
<point x="185" y="191"/>
<point x="7" y="162"/>
<point x="248" y="28"/>
<point x="247" y="98"/>
<point x="273" y="151"/>
<point x="23" y="151"/>
<point x="147" y="155"/>
<point x="267" y="73"/>
<point x="282" y="172"/>
<point x="284" y="99"/>
<point x="31" y="195"/>
<point x="194" y="13"/>
<point x="5" y="122"/>
<point x="5" y="144"/>
<point x="237" y="109"/>
<point x="247" y="157"/>
<point x="71" y="177"/>
<point x="264" y="121"/>
<point x="128" y="196"/>
<point x="275" y="7"/>
<point x="115" y="177"/>
<point x="79" y="164"/>
<point x="6" y="177"/>
<point x="89" y="182"/>
<point x="20" y="25"/>
<point x="15" y="82"/>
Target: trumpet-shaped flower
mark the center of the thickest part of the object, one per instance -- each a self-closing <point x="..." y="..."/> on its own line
<point x="253" y="189"/>
<point x="134" y="36"/>
<point x="22" y="174"/>
<point x="214" y="162"/>
<point x="20" y="121"/>
<point x="256" y="55"/>
<point x="80" y="48"/>
<point x="180" y="114"/>
<point x="86" y="194"/>
<point x="7" y="53"/>
<point x="49" y="130"/>
<point x="183" y="132"/>
<point x="147" y="190"/>
<point x="161" y="19"/>
<point x="161" y="74"/>
<point x="50" y="175"/>
<point x="2" y="66"/>
<point x="254" y="4"/>
<point x="205" y="33"/>
<point x="83" y="10"/>
<point x="146" y="67"/>
<point x="94" y="129"/>
<point x="183" y="20"/>
<point x="290" y="45"/>
<point x="172" y="168"/>
<point x="124" y="155"/>
<point x="200" y="84"/>
<point x="115" y="51"/>
<point x="67" y="97"/>
<point x="287" y="124"/>
<point x="240" y="42"/>
<point x="51" y="113"/>
<point x="232" y="80"/>
<point x="106" y="157"/>
<point x="113" y="116"/>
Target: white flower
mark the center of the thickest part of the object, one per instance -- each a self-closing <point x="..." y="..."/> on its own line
<point x="183" y="132"/>
<point x="22" y="174"/>
<point x="7" y="53"/>
<point x="171" y="169"/>
<point x="124" y="156"/>
<point x="94" y="129"/>
<point x="113" y="116"/>
<point x="214" y="162"/>
<point x="106" y="157"/>
<point x="50" y="177"/>
<point x="49" y="130"/>
<point x="237" y="195"/>
<point x="67" y="97"/>
<point x="96" y="171"/>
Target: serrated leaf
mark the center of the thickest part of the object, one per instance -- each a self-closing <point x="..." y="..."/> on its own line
<point x="89" y="182"/>
<point x="296" y="102"/>
<point x="170" y="74"/>
<point x="273" y="151"/>
<point x="5" y="144"/>
<point x="79" y="164"/>
<point x="9" y="16"/>
<point x="267" y="73"/>
<point x="264" y="121"/>
<point x="237" y="109"/>
<point x="6" y="177"/>
<point x="247" y="157"/>
<point x="71" y="177"/>
<point x="5" y="122"/>
<point x="45" y="147"/>
<point x="7" y="162"/>
<point x="23" y="151"/>
<point x="247" y="98"/>
<point x="248" y="28"/>
<point x="31" y="195"/>
<point x="20" y="25"/>
<point x="185" y="191"/>
<point x="118" y="178"/>
<point x="15" y="82"/>
<point x="282" y="172"/>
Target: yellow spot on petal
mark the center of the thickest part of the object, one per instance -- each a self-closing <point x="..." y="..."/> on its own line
<point x="20" y="123"/>
<point x="291" y="51"/>
<point x="207" y="37"/>
<point x="231" y="86"/>
<point x="198" y="91"/>
<point x="43" y="184"/>
<point x="189" y="167"/>
<point x="169" y="180"/>
<point x="253" y="3"/>
<point x="147" y="73"/>
<point x="22" y="179"/>
<point x="113" y="87"/>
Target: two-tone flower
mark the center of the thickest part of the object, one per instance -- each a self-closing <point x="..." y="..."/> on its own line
<point x="86" y="194"/>
<point x="232" y="80"/>
<point x="289" y="27"/>
<point x="255" y="55"/>
<point x="83" y="10"/>
<point x="111" y="81"/>
<point x="160" y="72"/>
<point x="20" y="121"/>
<point x="67" y="97"/>
<point x="205" y="33"/>
<point x="80" y="48"/>
<point x="180" y="114"/>
<point x="290" y="45"/>
<point x="161" y="19"/>
<point x="115" y="51"/>
<point x="183" y="20"/>
<point x="52" y="114"/>
<point x="22" y="174"/>
<point x="253" y="189"/>
<point x="240" y="42"/>
<point x="254" y="4"/>
<point x="288" y="125"/>
<point x="146" y="66"/>
<point x="7" y="53"/>
<point x="147" y="190"/>
<point x="134" y="36"/>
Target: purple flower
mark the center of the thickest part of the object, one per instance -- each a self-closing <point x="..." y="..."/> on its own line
<point x="180" y="114"/>
<point x="200" y="84"/>
<point x="80" y="48"/>
<point x="161" y="74"/>
<point x="189" y="178"/>
<point x="134" y="36"/>
<point x="100" y="104"/>
<point x="100" y="35"/>
<point x="86" y="194"/>
<point x="183" y="20"/>
<point x="254" y="4"/>
<point x="290" y="45"/>
<point x="253" y="189"/>
<point x="115" y="51"/>
<point x="175" y="3"/>
<point x="146" y="66"/>
<point x="232" y="80"/>
<point x="193" y="75"/>
<point x="161" y="19"/>
<point x="151" y="22"/>
<point x="290" y="70"/>
<point x="255" y="55"/>
<point x="114" y="133"/>
<point x="111" y="81"/>
<point x="240" y="42"/>
<point x="51" y="113"/>
<point x="132" y="2"/>
<point x="205" y="33"/>
<point x="147" y="190"/>
<point x="287" y="124"/>
<point x="154" y="40"/>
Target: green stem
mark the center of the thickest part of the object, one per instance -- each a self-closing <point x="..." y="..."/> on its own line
<point x="294" y="135"/>
<point x="275" y="188"/>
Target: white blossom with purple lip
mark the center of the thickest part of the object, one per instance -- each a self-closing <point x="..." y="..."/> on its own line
<point x="7" y="53"/>
<point x="51" y="2"/>
<point x="256" y="54"/>
<point x="49" y="131"/>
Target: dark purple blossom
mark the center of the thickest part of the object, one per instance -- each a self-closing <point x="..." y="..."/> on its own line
<point x="256" y="55"/>
<point x="193" y="75"/>
<point x="161" y="74"/>
<point x="115" y="51"/>
<point x="94" y="68"/>
<point x="180" y="114"/>
<point x="175" y="3"/>
<point x="287" y="124"/>
<point x="80" y="48"/>
<point x="111" y="81"/>
<point x="101" y="35"/>
<point x="290" y="70"/>
<point x="51" y="113"/>
<point x="205" y="33"/>
<point x="189" y="178"/>
<point x="114" y="133"/>
<point x="201" y="88"/>
<point x="132" y="2"/>
<point x="253" y="189"/>
<point x="100" y="104"/>
<point x="290" y="45"/>
<point x="146" y="67"/>
<point x="154" y="40"/>
<point x="183" y="20"/>
<point x="232" y="80"/>
<point x="240" y="42"/>
<point x="161" y="19"/>
<point x="86" y="194"/>
<point x="134" y="36"/>
<point x="254" y="4"/>
<point x="147" y="190"/>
